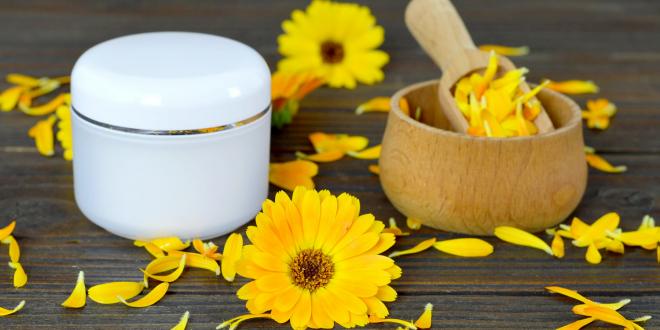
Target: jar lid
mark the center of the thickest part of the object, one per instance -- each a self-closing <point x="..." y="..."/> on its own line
<point x="170" y="81"/>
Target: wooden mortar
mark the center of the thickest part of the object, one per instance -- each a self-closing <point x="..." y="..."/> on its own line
<point x="471" y="185"/>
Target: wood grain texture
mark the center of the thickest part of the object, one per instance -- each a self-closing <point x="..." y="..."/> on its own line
<point x="609" y="41"/>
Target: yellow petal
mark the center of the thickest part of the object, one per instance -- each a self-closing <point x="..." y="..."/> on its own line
<point x="231" y="254"/>
<point x="7" y="230"/>
<point x="424" y="245"/>
<point x="47" y="108"/>
<point x="573" y="86"/>
<point x="170" y="243"/>
<point x="14" y="249"/>
<point x="639" y="237"/>
<point x="107" y="293"/>
<point x="322" y="157"/>
<point x="394" y="229"/>
<point x="23" y="80"/>
<point x="598" y="230"/>
<point x="5" y="312"/>
<point x="375" y="169"/>
<point x="604" y="314"/>
<point x="155" y="295"/>
<point x="369" y="153"/>
<point x="578" y="227"/>
<point x="197" y="260"/>
<point x="658" y="254"/>
<point x="602" y="165"/>
<point x="465" y="247"/>
<point x="342" y="142"/>
<point x="154" y="250"/>
<point x="593" y="255"/>
<point x="290" y="175"/>
<point x="405" y="324"/>
<point x="20" y="277"/>
<point x="505" y="50"/>
<point x="520" y="237"/>
<point x="558" y="246"/>
<point x="577" y="296"/>
<point x="182" y="322"/>
<point x="9" y="98"/>
<point x="424" y="320"/>
<point x="43" y="135"/>
<point x="577" y="325"/>
<point x="379" y="104"/>
<point x="78" y="296"/>
<point x="413" y="223"/>
<point x="163" y="264"/>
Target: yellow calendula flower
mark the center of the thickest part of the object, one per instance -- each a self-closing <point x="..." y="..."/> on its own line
<point x="78" y="296"/>
<point x="315" y="261"/>
<point x="289" y="175"/>
<point x="332" y="147"/>
<point x="287" y="89"/>
<point x="334" y="41"/>
<point x="573" y="86"/>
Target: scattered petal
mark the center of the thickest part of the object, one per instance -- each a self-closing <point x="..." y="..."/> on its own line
<point x="7" y="230"/>
<point x="155" y="295"/>
<point x="322" y="157"/>
<point x="573" y="86"/>
<point x="465" y="247"/>
<point x="506" y="50"/>
<point x="577" y="325"/>
<point x="424" y="245"/>
<point x="413" y="223"/>
<point x="394" y="229"/>
<point x="5" y="312"/>
<point x="598" y="230"/>
<point x="424" y="320"/>
<point x="14" y="249"/>
<point x="163" y="264"/>
<point x="20" y="277"/>
<point x="369" y="153"/>
<point x="183" y="322"/>
<point x="375" y="169"/>
<point x="593" y="256"/>
<point x="604" y="314"/>
<point x="231" y="254"/>
<point x="23" y="80"/>
<point x="197" y="260"/>
<point x="520" y="237"/>
<point x="291" y="174"/>
<point x="107" y="293"/>
<point x="43" y="135"/>
<point x="78" y="296"/>
<point x="404" y="323"/>
<point x="558" y="246"/>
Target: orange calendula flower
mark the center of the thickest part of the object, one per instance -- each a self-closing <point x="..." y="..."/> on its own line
<point x="600" y="163"/>
<point x="316" y="230"/>
<point x="465" y="247"/>
<point x="155" y="295"/>
<point x="5" y="312"/>
<point x="183" y="322"/>
<point x="598" y="113"/>
<point x="573" y="86"/>
<point x="394" y="229"/>
<point x="287" y="89"/>
<point x="108" y="293"/>
<point x="331" y="147"/>
<point x="424" y="320"/>
<point x="78" y="296"/>
<point x="382" y="104"/>
<point x="506" y="50"/>
<point x="42" y="133"/>
<point x="520" y="237"/>
<point x="422" y="246"/>
<point x="231" y="254"/>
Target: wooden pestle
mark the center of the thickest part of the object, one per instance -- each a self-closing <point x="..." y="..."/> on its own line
<point x="439" y="29"/>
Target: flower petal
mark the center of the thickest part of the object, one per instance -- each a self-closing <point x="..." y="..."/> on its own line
<point x="164" y="264"/>
<point x="291" y="174"/>
<point x="593" y="256"/>
<point x="78" y="296"/>
<point x="603" y="165"/>
<point x="424" y="245"/>
<point x="231" y="254"/>
<point x="375" y="169"/>
<point x="155" y="295"/>
<point x="7" y="230"/>
<point x="520" y="237"/>
<point x="505" y="50"/>
<point x="322" y="157"/>
<point x="465" y="247"/>
<point x="5" y="312"/>
<point x="376" y="104"/>
<point x="577" y="325"/>
<point x="183" y="322"/>
<point x="424" y="320"/>
<point x="107" y="293"/>
<point x="413" y="223"/>
<point x="197" y="260"/>
<point x="573" y="86"/>
<point x="369" y="153"/>
<point x="20" y="277"/>
<point x="558" y="246"/>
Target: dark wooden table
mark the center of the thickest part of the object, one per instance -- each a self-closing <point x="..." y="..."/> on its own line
<point x="616" y="43"/>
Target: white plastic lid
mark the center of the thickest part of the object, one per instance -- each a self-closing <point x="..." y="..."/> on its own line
<point x="170" y="81"/>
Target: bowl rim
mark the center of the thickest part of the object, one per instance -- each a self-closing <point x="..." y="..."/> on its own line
<point x="574" y="121"/>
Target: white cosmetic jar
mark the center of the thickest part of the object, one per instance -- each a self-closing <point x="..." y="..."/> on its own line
<point x="171" y="134"/>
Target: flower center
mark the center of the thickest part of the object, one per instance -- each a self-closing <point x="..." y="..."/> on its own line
<point x="332" y="52"/>
<point x="311" y="269"/>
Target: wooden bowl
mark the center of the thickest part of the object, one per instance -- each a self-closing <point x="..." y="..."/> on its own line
<point x="471" y="185"/>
